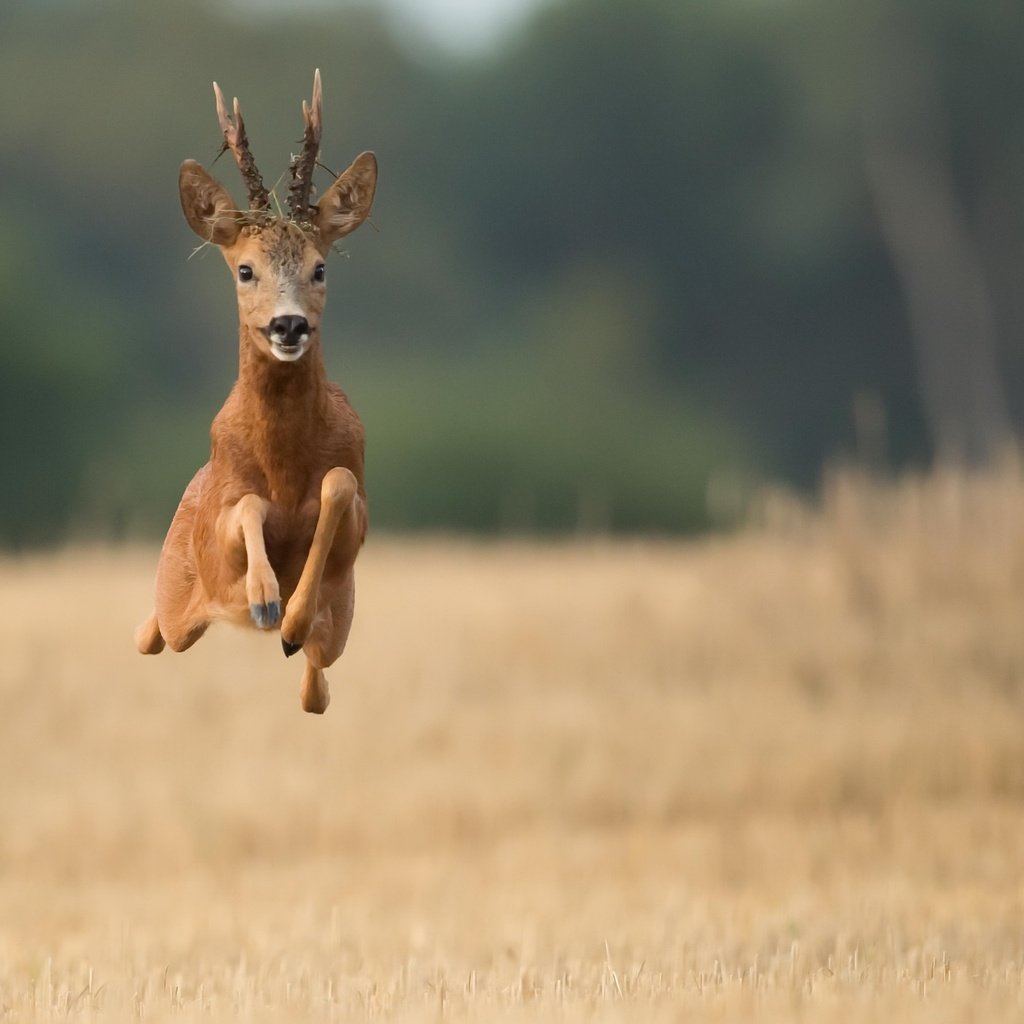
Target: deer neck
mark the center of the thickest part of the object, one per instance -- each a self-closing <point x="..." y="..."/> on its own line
<point x="284" y="411"/>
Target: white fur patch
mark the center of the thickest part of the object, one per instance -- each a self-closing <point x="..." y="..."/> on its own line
<point x="290" y="355"/>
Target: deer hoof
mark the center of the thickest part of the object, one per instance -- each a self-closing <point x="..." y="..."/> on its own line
<point x="290" y="649"/>
<point x="266" y="616"/>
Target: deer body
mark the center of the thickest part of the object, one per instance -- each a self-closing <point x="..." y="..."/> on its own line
<point x="268" y="531"/>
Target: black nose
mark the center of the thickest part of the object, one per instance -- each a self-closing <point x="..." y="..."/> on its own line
<point x="289" y="329"/>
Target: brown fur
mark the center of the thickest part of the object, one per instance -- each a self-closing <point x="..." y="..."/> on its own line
<point x="279" y="513"/>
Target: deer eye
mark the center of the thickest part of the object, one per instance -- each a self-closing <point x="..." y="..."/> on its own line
<point x="245" y="272"/>
<point x="320" y="272"/>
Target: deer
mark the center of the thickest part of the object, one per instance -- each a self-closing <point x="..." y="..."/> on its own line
<point x="267" y="532"/>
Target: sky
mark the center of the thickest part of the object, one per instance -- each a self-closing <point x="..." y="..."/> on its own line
<point x="464" y="25"/>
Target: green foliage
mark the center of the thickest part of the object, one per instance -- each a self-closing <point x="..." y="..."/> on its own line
<point x="519" y="451"/>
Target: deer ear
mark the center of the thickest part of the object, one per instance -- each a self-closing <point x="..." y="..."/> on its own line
<point x="346" y="204"/>
<point x="208" y="208"/>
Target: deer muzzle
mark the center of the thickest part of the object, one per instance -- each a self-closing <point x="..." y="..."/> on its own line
<point x="288" y="336"/>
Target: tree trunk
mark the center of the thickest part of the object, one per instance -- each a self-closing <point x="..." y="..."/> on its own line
<point x="907" y="160"/>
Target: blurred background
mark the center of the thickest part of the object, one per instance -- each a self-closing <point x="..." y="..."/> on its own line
<point x="635" y="267"/>
<point x="627" y="261"/>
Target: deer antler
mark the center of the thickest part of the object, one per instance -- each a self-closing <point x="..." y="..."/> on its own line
<point x="237" y="141"/>
<point x="302" y="164"/>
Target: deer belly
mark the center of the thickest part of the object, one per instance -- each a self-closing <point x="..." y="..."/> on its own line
<point x="288" y="538"/>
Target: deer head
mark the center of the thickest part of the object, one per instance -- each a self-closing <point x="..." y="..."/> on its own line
<point x="278" y="262"/>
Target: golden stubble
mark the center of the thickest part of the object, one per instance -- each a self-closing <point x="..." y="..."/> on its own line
<point x="773" y="777"/>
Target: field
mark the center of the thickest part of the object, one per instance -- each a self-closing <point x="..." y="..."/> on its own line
<point x="777" y="776"/>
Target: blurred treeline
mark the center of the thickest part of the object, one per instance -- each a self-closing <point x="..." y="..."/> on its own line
<point x="633" y="261"/>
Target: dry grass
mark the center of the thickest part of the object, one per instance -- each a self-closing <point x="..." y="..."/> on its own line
<point x="776" y="777"/>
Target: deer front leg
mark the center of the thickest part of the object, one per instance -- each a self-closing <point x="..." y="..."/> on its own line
<point x="241" y="535"/>
<point x="337" y="494"/>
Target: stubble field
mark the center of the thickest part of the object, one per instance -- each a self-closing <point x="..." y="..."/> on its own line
<point x="778" y="776"/>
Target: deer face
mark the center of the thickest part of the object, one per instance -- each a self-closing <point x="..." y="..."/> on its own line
<point x="280" y="281"/>
<point x="278" y="265"/>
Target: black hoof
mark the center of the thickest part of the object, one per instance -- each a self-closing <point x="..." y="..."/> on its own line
<point x="289" y="649"/>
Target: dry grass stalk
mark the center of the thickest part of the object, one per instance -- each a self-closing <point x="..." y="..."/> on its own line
<point x="763" y="778"/>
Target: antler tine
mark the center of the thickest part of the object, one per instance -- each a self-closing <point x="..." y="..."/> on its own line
<point x="303" y="164"/>
<point x="237" y="141"/>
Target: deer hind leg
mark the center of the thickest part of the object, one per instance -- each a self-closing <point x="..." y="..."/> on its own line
<point x="180" y="607"/>
<point x="179" y="619"/>
<point x="148" y="638"/>
<point x="241" y="536"/>
<point x="337" y="497"/>
<point x="315" y="694"/>
<point x="325" y="644"/>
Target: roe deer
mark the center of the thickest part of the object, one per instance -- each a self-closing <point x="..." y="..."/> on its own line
<point x="268" y="530"/>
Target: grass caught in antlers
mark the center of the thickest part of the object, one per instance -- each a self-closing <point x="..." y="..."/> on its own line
<point x="769" y="777"/>
<point x="279" y="212"/>
<point x="242" y="216"/>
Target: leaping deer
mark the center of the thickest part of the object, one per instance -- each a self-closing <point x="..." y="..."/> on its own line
<point x="267" y="532"/>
